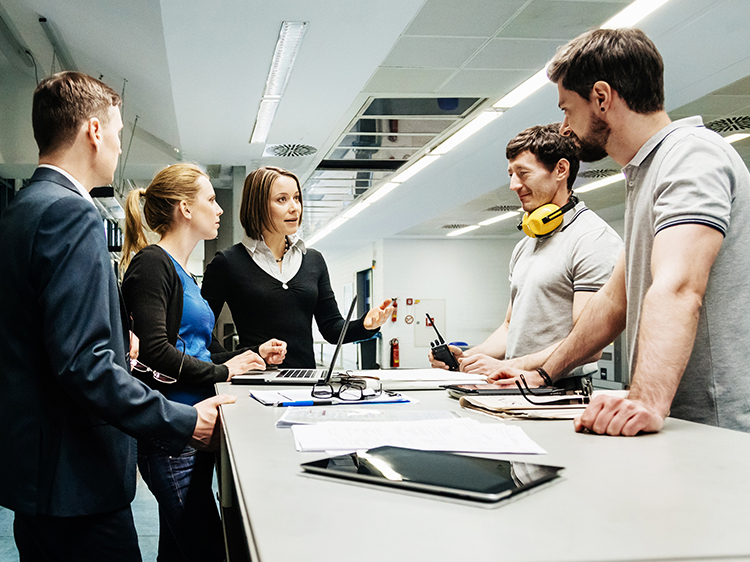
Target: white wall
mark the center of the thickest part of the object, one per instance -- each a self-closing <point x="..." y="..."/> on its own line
<point x="471" y="275"/>
<point x="342" y="270"/>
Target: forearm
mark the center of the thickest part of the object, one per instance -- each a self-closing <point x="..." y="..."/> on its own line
<point x="534" y="361"/>
<point x="669" y="321"/>
<point x="494" y="346"/>
<point x="599" y="324"/>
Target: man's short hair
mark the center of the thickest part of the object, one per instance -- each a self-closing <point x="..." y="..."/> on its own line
<point x="62" y="103"/>
<point x="625" y="59"/>
<point x="549" y="146"/>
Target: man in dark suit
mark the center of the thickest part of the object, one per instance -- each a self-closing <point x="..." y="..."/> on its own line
<point x="69" y="407"/>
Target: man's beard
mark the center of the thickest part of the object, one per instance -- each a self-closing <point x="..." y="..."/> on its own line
<point x="592" y="148"/>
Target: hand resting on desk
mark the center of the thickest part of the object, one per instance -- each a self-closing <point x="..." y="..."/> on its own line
<point x="612" y="415"/>
<point x="206" y="432"/>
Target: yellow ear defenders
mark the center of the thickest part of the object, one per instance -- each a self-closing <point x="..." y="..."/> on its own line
<point x="545" y="219"/>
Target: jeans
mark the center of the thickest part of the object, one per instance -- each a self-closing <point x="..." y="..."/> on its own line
<point x="86" y="538"/>
<point x="189" y="524"/>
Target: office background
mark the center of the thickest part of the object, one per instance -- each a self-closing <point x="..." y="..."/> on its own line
<point x="375" y="88"/>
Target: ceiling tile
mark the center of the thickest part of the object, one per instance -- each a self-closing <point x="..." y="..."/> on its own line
<point x="433" y="52"/>
<point x="406" y="80"/>
<point x="514" y="54"/>
<point x="486" y="83"/>
<point x="468" y="18"/>
<point x="560" y="19"/>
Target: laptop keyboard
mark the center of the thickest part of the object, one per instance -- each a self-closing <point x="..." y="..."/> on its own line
<point x="300" y="373"/>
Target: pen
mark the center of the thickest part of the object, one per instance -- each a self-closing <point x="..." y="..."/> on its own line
<point x="305" y="403"/>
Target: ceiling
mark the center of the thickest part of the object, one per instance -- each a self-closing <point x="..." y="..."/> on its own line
<point x="193" y="74"/>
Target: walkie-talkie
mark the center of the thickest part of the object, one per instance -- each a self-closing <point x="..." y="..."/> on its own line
<point x="440" y="349"/>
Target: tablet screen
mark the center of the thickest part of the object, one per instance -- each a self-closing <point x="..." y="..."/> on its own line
<point x="437" y="472"/>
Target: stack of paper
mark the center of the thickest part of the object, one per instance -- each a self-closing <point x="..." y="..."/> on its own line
<point x="520" y="408"/>
<point x="457" y="435"/>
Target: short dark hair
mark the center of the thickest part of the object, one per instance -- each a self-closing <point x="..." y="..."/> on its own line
<point x="549" y="146"/>
<point x="255" y="212"/>
<point x="626" y="59"/>
<point x="63" y="102"/>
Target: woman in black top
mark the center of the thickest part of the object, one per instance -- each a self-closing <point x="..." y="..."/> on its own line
<point x="178" y="355"/>
<point x="274" y="285"/>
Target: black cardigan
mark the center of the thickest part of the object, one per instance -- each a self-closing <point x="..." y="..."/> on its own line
<point x="263" y="307"/>
<point x="153" y="296"/>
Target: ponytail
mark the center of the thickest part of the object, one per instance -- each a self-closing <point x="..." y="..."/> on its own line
<point x="135" y="234"/>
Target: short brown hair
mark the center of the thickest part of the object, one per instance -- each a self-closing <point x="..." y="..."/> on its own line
<point x="255" y="213"/>
<point x="549" y="146"/>
<point x="63" y="102"/>
<point x="626" y="59"/>
<point x="178" y="182"/>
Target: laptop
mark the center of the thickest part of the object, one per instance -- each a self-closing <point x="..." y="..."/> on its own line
<point x="308" y="377"/>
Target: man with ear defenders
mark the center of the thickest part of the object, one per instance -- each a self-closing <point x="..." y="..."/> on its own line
<point x="568" y="253"/>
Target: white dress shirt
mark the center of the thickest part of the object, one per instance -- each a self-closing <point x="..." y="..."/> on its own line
<point x="79" y="185"/>
<point x="263" y="256"/>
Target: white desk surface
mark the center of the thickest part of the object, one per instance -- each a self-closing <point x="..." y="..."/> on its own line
<point x="682" y="494"/>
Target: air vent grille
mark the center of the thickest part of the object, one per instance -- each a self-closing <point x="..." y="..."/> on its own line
<point x="727" y="124"/>
<point x="454" y="226"/>
<point x="598" y="173"/>
<point x="289" y="150"/>
<point x="502" y="208"/>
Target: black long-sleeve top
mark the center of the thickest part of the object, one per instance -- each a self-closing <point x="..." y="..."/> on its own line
<point x="263" y="307"/>
<point x="153" y="296"/>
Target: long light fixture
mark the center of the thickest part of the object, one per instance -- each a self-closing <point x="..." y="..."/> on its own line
<point x="415" y="168"/>
<point x="600" y="183"/>
<point x="634" y="13"/>
<point x="498" y="218"/>
<point x="287" y="47"/>
<point x="520" y="93"/>
<point x="465" y="132"/>
<point x="464" y="230"/>
<point x="736" y="137"/>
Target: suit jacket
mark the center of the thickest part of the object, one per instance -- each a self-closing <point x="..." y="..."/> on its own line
<point x="69" y="408"/>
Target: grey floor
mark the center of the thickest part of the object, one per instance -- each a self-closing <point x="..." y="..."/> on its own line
<point x="146" y="523"/>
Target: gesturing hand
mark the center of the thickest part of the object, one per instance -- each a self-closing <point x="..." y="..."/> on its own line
<point x="376" y="317"/>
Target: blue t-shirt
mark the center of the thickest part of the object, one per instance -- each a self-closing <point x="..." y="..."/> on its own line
<point x="196" y="327"/>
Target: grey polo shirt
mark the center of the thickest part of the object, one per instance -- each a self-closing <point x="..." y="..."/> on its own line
<point x="686" y="174"/>
<point x="546" y="272"/>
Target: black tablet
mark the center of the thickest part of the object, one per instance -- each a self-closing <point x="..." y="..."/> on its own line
<point x="446" y="474"/>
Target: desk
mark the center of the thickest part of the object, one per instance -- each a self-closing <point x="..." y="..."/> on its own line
<point x="680" y="494"/>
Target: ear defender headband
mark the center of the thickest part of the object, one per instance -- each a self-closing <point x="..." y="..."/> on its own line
<point x="545" y="219"/>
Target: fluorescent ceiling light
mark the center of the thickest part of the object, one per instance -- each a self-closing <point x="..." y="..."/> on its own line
<point x="263" y="120"/>
<point x="464" y="133"/>
<point x="380" y="193"/>
<point x="287" y="47"/>
<point x="600" y="183"/>
<point x="524" y="90"/>
<point x="356" y="209"/>
<point x="736" y="137"/>
<point x="417" y="167"/>
<point x="318" y="236"/>
<point x="464" y="230"/>
<point x="499" y="218"/>
<point x="633" y="14"/>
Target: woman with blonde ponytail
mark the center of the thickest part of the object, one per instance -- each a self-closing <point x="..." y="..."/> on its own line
<point x="178" y="354"/>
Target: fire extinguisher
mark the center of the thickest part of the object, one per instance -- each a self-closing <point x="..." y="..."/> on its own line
<point x="394" y="352"/>
<point x="394" y="304"/>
